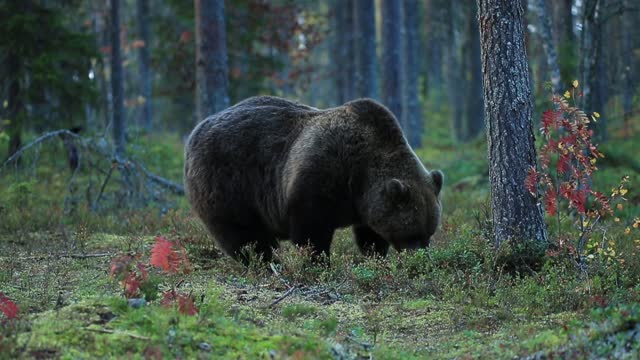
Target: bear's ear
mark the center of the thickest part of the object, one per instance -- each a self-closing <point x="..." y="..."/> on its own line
<point x="395" y="188"/>
<point x="438" y="179"/>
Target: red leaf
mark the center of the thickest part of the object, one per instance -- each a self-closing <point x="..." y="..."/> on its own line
<point x="131" y="284"/>
<point x="550" y="201"/>
<point x="186" y="305"/>
<point x="549" y="120"/>
<point x="162" y="254"/>
<point x="8" y="307"/>
<point x="531" y="181"/>
<point x="169" y="256"/>
<point x="563" y="163"/>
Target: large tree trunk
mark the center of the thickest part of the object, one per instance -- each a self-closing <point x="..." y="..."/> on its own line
<point x="366" y="59"/>
<point x="145" y="63"/>
<point x="475" y="102"/>
<point x="212" y="72"/>
<point x="548" y="45"/>
<point x="411" y="112"/>
<point x="507" y="92"/>
<point x="392" y="57"/>
<point x="117" y="84"/>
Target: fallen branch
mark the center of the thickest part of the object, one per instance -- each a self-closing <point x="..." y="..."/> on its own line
<point x="37" y="141"/>
<point x="158" y="180"/>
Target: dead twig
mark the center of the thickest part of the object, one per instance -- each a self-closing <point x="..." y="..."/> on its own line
<point x="107" y="331"/>
<point x="284" y="296"/>
<point x="63" y="255"/>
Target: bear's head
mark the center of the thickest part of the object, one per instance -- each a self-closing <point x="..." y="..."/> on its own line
<point x="406" y="212"/>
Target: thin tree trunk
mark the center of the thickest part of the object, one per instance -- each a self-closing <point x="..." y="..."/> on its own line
<point x="562" y="21"/>
<point x="212" y="72"/>
<point x="145" y="63"/>
<point x="117" y="87"/>
<point x="436" y="22"/>
<point x="590" y="48"/>
<point x="475" y="101"/>
<point x="15" y="111"/>
<point x="411" y="106"/>
<point x="454" y="81"/>
<point x="548" y="45"/>
<point x="392" y="57"/>
<point x="508" y="108"/>
<point x="366" y="59"/>
<point x="627" y="66"/>
<point x="349" y="49"/>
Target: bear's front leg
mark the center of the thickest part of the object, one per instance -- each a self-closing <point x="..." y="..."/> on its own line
<point x="369" y="242"/>
<point x="307" y="229"/>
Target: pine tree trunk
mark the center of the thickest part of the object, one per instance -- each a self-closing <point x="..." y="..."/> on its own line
<point x="412" y="116"/>
<point x="562" y="21"/>
<point x="212" y="72"/>
<point x="145" y="62"/>
<point x="435" y="46"/>
<point x="627" y="66"/>
<point x="366" y="58"/>
<point x="392" y="57"/>
<point x="474" y="97"/>
<point x="454" y="72"/>
<point x="117" y="83"/>
<point x="548" y="45"/>
<point x="508" y="108"/>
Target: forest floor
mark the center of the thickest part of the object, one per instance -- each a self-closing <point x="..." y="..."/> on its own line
<point x="459" y="299"/>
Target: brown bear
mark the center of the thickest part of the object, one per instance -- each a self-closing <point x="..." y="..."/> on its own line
<point x="268" y="168"/>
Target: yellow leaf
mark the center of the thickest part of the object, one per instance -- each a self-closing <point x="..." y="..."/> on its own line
<point x="623" y="191"/>
<point x="575" y="83"/>
<point x="616" y="219"/>
<point x="627" y="231"/>
<point x="593" y="161"/>
<point x="596" y="114"/>
<point x="619" y="207"/>
<point x="636" y="223"/>
<point x="567" y="94"/>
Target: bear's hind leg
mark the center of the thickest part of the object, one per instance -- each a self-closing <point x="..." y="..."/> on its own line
<point x="369" y="242"/>
<point x="235" y="238"/>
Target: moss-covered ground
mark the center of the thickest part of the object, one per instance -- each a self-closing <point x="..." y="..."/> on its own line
<point x="460" y="299"/>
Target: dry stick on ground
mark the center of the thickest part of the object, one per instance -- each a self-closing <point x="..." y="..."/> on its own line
<point x="284" y="296"/>
<point x="63" y="255"/>
<point x="107" y="331"/>
<point x="167" y="184"/>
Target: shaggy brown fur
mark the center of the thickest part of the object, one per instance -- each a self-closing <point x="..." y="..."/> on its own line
<point x="268" y="168"/>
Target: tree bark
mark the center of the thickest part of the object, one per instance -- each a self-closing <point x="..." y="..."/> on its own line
<point x="117" y="86"/>
<point x="392" y="57"/>
<point x="212" y="72"/>
<point x="366" y="58"/>
<point x="411" y="111"/>
<point x="145" y="62"/>
<point x="548" y="45"/>
<point x="507" y="91"/>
